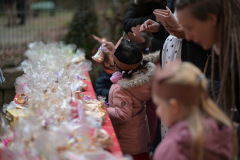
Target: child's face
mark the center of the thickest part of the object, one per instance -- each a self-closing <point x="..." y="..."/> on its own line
<point x="165" y="111"/>
<point x="109" y="63"/>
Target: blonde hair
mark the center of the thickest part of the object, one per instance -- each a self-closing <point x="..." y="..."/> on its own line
<point x="189" y="75"/>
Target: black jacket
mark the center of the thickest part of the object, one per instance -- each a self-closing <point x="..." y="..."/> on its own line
<point x="103" y="84"/>
<point x="195" y="54"/>
<point x="137" y="14"/>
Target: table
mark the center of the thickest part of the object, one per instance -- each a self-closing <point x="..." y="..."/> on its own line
<point x="107" y="125"/>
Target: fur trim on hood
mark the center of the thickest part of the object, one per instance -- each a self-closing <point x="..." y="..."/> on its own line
<point x="152" y="57"/>
<point x="143" y="77"/>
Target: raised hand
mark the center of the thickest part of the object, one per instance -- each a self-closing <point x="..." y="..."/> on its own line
<point x="177" y="32"/>
<point x="150" y="26"/>
<point x="107" y="44"/>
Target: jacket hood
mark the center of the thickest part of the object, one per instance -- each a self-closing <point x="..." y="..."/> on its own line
<point x="152" y="57"/>
<point x="139" y="84"/>
<point x="144" y="76"/>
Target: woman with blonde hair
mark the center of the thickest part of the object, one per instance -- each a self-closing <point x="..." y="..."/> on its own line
<point x="198" y="129"/>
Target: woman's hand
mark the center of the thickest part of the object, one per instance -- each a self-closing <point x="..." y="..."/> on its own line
<point x="177" y="32"/>
<point x="150" y="26"/>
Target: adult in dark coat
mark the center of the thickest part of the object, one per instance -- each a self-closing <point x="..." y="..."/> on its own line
<point x="138" y="12"/>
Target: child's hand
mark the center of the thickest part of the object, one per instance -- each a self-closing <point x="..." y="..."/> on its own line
<point x="109" y="46"/>
<point x="150" y="26"/>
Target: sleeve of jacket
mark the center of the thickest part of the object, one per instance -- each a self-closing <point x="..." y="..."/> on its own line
<point x="169" y="150"/>
<point x="132" y="18"/>
<point x="120" y="107"/>
<point x="162" y="32"/>
<point x="101" y="88"/>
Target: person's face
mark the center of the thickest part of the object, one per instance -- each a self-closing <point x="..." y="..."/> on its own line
<point x="201" y="32"/>
<point x="109" y="64"/>
<point x="164" y="111"/>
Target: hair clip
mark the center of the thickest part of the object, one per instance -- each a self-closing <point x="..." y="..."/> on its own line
<point x="129" y="71"/>
<point x="137" y="72"/>
<point x="146" y="50"/>
<point x="200" y="77"/>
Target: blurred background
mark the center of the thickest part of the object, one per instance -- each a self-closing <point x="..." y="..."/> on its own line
<point x="71" y="21"/>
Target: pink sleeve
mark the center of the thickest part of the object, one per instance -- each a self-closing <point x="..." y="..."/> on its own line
<point x="120" y="109"/>
<point x="169" y="150"/>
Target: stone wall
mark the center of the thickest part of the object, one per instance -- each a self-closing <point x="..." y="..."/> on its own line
<point x="7" y="89"/>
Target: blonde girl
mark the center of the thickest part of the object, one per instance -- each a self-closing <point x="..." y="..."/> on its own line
<point x="198" y="129"/>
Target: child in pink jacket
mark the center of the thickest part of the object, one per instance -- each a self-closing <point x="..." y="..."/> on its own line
<point x="127" y="97"/>
<point x="198" y="129"/>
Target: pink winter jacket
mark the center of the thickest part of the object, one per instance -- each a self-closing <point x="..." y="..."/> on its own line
<point x="176" y="145"/>
<point x="127" y="110"/>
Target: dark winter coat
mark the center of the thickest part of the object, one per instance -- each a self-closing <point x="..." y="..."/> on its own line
<point x="103" y="84"/>
<point x="138" y="13"/>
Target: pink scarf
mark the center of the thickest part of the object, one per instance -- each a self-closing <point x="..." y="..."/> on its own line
<point x="116" y="76"/>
